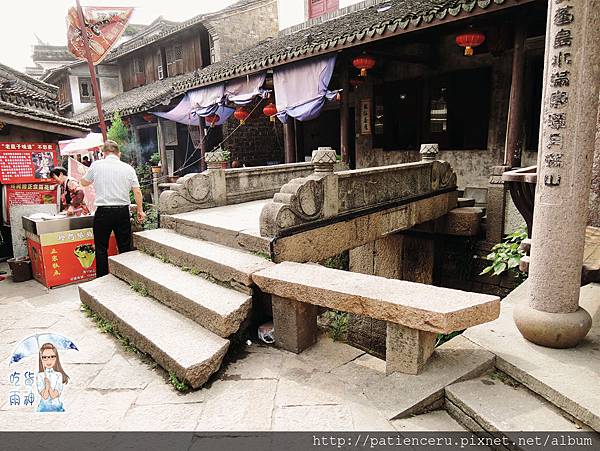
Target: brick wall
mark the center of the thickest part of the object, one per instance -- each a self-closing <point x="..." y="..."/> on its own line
<point x="243" y="27"/>
<point x="257" y="142"/>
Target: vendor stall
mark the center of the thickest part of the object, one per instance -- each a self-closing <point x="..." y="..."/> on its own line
<point x="61" y="248"/>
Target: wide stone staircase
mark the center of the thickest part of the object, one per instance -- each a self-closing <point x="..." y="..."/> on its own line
<point x="178" y="298"/>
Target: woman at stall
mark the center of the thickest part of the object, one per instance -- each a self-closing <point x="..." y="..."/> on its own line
<point x="73" y="197"/>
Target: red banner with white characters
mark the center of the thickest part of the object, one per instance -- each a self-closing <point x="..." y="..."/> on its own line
<point x="104" y="26"/>
<point x="27" y="162"/>
<point x="28" y="194"/>
<point x="62" y="258"/>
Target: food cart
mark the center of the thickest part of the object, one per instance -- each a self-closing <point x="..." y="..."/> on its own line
<point x="61" y="248"/>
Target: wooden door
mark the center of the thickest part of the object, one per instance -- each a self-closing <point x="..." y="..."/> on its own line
<point x="317" y="8"/>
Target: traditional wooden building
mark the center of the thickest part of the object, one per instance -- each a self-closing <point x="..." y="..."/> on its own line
<point x="165" y="53"/>
<point x="422" y="87"/>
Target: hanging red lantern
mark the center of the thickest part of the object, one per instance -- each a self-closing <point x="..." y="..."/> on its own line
<point x="469" y="41"/>
<point x="270" y="110"/>
<point x="212" y="119"/>
<point x="148" y="117"/>
<point x="241" y="114"/>
<point x="364" y="62"/>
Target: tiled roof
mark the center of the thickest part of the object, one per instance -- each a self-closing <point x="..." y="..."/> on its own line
<point x="353" y="29"/>
<point x="133" y="101"/>
<point x="170" y="28"/>
<point x="25" y="97"/>
<point x="19" y="111"/>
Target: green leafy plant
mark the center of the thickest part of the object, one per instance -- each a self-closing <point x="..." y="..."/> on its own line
<point x="179" y="385"/>
<point x="139" y="288"/>
<point x="262" y="255"/>
<point x="506" y="256"/>
<point x="118" y="131"/>
<point x="337" y="324"/>
<point x="155" y="159"/>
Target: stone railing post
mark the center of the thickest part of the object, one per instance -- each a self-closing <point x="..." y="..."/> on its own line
<point x="553" y="317"/>
<point x="429" y="152"/>
<point x="323" y="159"/>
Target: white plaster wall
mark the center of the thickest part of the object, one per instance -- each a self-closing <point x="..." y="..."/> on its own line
<point x="344" y="3"/>
<point x="294" y="12"/>
<point x="290" y="13"/>
<point x="108" y="77"/>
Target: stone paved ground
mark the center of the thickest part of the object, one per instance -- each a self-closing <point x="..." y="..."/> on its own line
<point x="267" y="389"/>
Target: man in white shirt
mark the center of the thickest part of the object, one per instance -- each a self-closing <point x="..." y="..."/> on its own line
<point x="113" y="180"/>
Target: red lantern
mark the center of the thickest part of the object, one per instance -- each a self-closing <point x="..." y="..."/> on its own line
<point x="241" y="114"/>
<point x="270" y="110"/>
<point x="364" y="62"/>
<point x="212" y="119"/>
<point x="469" y="41"/>
<point x="148" y="117"/>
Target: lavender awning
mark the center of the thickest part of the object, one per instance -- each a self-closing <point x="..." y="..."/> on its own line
<point x="211" y="100"/>
<point x="301" y="89"/>
<point x="241" y="91"/>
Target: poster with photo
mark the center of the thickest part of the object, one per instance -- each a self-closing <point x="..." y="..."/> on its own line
<point x="27" y="162"/>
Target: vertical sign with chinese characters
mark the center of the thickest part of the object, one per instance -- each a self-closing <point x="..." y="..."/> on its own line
<point x="556" y="156"/>
<point x="365" y="117"/>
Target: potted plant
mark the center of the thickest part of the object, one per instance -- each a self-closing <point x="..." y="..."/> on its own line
<point x="155" y="163"/>
<point x="217" y="159"/>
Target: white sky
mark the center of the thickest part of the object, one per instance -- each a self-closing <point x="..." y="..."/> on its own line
<point x="20" y="19"/>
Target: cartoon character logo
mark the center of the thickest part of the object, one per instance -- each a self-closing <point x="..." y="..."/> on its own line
<point x="49" y="382"/>
<point x="85" y="253"/>
<point x="50" y="379"/>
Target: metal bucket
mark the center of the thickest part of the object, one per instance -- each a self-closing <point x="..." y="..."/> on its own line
<point x="20" y="269"/>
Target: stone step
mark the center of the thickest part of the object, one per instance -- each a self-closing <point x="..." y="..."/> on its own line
<point x="217" y="308"/>
<point x="223" y="263"/>
<point x="235" y="226"/>
<point x="192" y="353"/>
<point x="497" y="404"/>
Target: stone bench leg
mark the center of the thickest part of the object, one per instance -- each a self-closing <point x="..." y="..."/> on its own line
<point x="407" y="350"/>
<point x="295" y="324"/>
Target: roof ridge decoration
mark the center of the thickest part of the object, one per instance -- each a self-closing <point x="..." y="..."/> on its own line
<point x="373" y="22"/>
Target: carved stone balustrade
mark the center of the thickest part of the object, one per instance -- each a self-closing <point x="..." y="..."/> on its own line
<point x="216" y="187"/>
<point x="345" y="209"/>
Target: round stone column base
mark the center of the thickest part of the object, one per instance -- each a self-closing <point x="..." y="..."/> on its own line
<point x="553" y="330"/>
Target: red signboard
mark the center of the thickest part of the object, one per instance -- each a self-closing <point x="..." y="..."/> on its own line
<point x="62" y="258"/>
<point x="27" y="162"/>
<point x="28" y="194"/>
<point x="104" y="26"/>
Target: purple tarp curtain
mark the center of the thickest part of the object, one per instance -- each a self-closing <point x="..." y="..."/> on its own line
<point x="210" y="100"/>
<point x="301" y="88"/>
<point x="241" y="91"/>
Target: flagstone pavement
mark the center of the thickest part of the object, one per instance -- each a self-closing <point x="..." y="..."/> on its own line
<point x="113" y="389"/>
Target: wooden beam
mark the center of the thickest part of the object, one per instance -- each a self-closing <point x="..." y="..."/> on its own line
<point x="43" y="126"/>
<point x="289" y="141"/>
<point x="345" y="114"/>
<point x="160" y="135"/>
<point x="515" y="133"/>
<point x="202" y="125"/>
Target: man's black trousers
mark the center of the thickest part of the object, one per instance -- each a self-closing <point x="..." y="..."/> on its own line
<point x="106" y="220"/>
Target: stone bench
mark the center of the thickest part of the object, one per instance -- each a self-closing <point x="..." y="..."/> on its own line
<point x="415" y="313"/>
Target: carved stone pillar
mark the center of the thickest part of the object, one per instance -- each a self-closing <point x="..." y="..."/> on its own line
<point x="552" y="316"/>
<point x="429" y="152"/>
